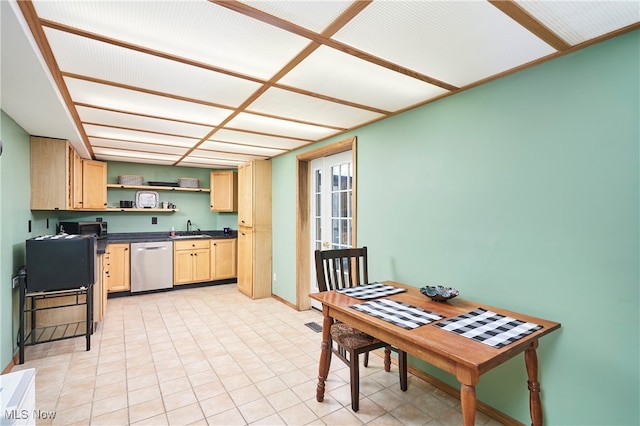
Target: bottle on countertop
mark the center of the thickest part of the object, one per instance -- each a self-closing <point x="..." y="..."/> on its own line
<point x="173" y="232"/>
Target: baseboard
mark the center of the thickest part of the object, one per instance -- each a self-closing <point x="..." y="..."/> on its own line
<point x="450" y="390"/>
<point x="13" y="363"/>
<point x="286" y="302"/>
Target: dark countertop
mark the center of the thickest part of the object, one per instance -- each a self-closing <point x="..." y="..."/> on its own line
<point x="151" y="237"/>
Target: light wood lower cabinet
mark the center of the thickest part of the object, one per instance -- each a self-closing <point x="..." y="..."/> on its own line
<point x="254" y="262"/>
<point x="223" y="259"/>
<point x="191" y="261"/>
<point x="99" y="291"/>
<point x="117" y="267"/>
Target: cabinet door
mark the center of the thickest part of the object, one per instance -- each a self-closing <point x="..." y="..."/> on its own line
<point x="182" y="266"/>
<point x="98" y="287"/>
<point x="245" y="261"/>
<point x="223" y="259"/>
<point x="245" y="195"/>
<point x="75" y="162"/>
<point x="49" y="174"/>
<point x="94" y="184"/>
<point x="201" y="265"/>
<point x="119" y="264"/>
<point x="224" y="189"/>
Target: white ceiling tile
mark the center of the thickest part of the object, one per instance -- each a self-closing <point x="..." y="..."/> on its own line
<point x="239" y="148"/>
<point x="137" y="146"/>
<point x="112" y="97"/>
<point x="221" y="155"/>
<point x="198" y="30"/>
<point x="274" y="126"/>
<point x="134" y="154"/>
<point x="104" y="132"/>
<point x="295" y="106"/>
<point x="338" y="75"/>
<point x="104" y="61"/>
<point x="137" y="122"/>
<point x="457" y="42"/>
<point x="579" y="21"/>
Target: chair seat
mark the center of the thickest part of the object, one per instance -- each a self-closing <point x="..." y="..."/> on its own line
<point x="350" y="337"/>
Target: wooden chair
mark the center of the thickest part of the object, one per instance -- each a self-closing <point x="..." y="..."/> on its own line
<point x="337" y="269"/>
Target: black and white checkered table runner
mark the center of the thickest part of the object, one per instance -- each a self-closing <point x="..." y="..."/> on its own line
<point x="398" y="313"/>
<point x="489" y="327"/>
<point x="371" y="291"/>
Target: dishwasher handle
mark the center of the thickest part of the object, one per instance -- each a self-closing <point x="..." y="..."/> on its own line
<point x="152" y="248"/>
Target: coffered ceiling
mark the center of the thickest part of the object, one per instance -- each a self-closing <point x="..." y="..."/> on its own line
<point x="216" y="83"/>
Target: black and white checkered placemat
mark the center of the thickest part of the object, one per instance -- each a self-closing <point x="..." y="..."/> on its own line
<point x="489" y="327"/>
<point x="398" y="313"/>
<point x="371" y="291"/>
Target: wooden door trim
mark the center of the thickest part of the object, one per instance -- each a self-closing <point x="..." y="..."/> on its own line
<point x="303" y="212"/>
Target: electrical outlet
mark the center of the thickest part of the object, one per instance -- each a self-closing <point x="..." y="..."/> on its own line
<point x="15" y="282"/>
<point x="274" y="276"/>
<point x="98" y="219"/>
<point x="154" y="220"/>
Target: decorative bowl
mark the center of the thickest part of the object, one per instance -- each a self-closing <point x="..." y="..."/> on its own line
<point x="439" y="293"/>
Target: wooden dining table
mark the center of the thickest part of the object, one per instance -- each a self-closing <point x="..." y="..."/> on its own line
<point x="465" y="358"/>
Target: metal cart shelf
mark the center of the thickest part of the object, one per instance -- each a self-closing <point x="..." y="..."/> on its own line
<point x="82" y="296"/>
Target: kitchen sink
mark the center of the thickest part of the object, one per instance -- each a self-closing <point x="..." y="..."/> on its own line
<point x="190" y="237"/>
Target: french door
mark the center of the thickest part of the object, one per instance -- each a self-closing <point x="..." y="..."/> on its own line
<point x="331" y="196"/>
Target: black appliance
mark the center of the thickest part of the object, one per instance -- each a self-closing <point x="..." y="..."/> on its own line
<point x="99" y="229"/>
<point x="60" y="262"/>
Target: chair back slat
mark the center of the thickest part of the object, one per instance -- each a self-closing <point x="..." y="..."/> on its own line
<point x="337" y="269"/>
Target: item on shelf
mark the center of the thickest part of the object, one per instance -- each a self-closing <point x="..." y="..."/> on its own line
<point x="188" y="183"/>
<point x="126" y="204"/>
<point x="147" y="199"/>
<point x="439" y="293"/>
<point x="156" y="183"/>
<point x="130" y="180"/>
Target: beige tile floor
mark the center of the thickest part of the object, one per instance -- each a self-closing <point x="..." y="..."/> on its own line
<point x="210" y="355"/>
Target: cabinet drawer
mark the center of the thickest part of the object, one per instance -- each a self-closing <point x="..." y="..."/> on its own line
<point x="191" y="244"/>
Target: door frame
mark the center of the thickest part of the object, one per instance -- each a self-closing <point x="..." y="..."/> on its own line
<point x="303" y="213"/>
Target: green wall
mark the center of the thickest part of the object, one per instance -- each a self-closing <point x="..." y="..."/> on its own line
<point x="14" y="227"/>
<point x="522" y="193"/>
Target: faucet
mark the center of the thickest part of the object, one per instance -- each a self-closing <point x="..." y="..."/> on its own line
<point x="188" y="225"/>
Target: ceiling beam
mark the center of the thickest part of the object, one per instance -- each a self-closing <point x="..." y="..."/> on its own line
<point x="522" y="17"/>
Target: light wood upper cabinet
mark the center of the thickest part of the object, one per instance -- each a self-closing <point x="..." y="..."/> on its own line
<point x="75" y="162"/>
<point x="191" y="261"/>
<point x="61" y="180"/>
<point x="254" y="194"/>
<point x="245" y="194"/>
<point x="224" y="191"/>
<point x="50" y="174"/>
<point x="118" y="267"/>
<point x="94" y="184"/>
<point x="223" y="259"/>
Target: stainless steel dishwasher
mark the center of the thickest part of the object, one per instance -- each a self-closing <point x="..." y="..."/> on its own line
<point x="151" y="266"/>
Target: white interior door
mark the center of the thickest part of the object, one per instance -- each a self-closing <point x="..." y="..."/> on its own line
<point x="331" y="207"/>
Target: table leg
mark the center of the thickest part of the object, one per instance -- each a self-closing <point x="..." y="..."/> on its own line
<point x="535" y="406"/>
<point x="325" y="356"/>
<point x="468" y="402"/>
